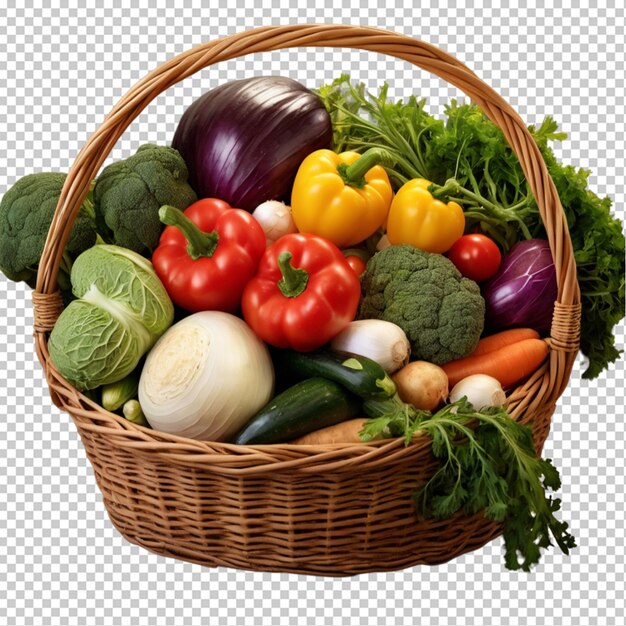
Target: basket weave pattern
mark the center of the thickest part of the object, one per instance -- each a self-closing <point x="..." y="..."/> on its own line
<point x="330" y="510"/>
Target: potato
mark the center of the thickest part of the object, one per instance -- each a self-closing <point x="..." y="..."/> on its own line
<point x="422" y="384"/>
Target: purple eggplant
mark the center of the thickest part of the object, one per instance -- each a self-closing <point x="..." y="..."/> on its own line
<point x="244" y="140"/>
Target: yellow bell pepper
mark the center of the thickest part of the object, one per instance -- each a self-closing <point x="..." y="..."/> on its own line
<point x="342" y="197"/>
<point x="419" y="219"/>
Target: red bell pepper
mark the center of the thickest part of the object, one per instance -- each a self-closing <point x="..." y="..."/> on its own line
<point x="303" y="294"/>
<point x="207" y="254"/>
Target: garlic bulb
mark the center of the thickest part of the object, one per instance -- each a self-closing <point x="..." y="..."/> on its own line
<point x="275" y="219"/>
<point x="480" y="390"/>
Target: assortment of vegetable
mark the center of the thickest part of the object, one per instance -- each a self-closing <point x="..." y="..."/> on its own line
<point x="470" y="162"/>
<point x="344" y="268"/>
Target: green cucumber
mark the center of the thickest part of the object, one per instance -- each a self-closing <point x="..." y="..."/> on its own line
<point x="307" y="406"/>
<point x="358" y="374"/>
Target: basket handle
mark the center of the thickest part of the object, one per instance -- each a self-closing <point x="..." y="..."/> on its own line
<point x="565" y="328"/>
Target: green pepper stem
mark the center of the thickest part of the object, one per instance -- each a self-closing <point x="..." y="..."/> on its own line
<point x="294" y="280"/>
<point x="199" y="244"/>
<point x="354" y="174"/>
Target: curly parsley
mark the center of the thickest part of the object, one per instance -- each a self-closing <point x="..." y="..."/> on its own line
<point x="488" y="463"/>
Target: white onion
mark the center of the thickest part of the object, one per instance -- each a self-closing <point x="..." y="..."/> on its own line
<point x="206" y="377"/>
<point x="275" y="219"/>
<point x="382" y="341"/>
<point x="480" y="390"/>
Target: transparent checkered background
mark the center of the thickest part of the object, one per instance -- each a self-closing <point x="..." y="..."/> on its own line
<point x="61" y="561"/>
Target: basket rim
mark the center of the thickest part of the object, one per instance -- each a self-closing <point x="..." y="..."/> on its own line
<point x="539" y="392"/>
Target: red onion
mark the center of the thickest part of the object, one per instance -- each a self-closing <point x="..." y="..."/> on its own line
<point x="523" y="292"/>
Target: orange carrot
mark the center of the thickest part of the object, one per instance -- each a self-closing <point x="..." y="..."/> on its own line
<point x="504" y="338"/>
<point x="510" y="364"/>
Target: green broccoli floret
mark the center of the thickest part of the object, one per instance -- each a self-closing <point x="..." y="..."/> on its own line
<point x="26" y="213"/>
<point x="129" y="193"/>
<point x="441" y="312"/>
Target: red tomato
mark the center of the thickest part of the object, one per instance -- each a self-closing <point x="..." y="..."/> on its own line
<point x="475" y="256"/>
<point x="356" y="263"/>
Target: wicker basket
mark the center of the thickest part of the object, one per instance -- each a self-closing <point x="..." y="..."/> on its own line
<point x="326" y="510"/>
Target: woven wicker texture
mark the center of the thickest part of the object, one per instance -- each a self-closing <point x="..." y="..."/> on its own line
<point x="332" y="510"/>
